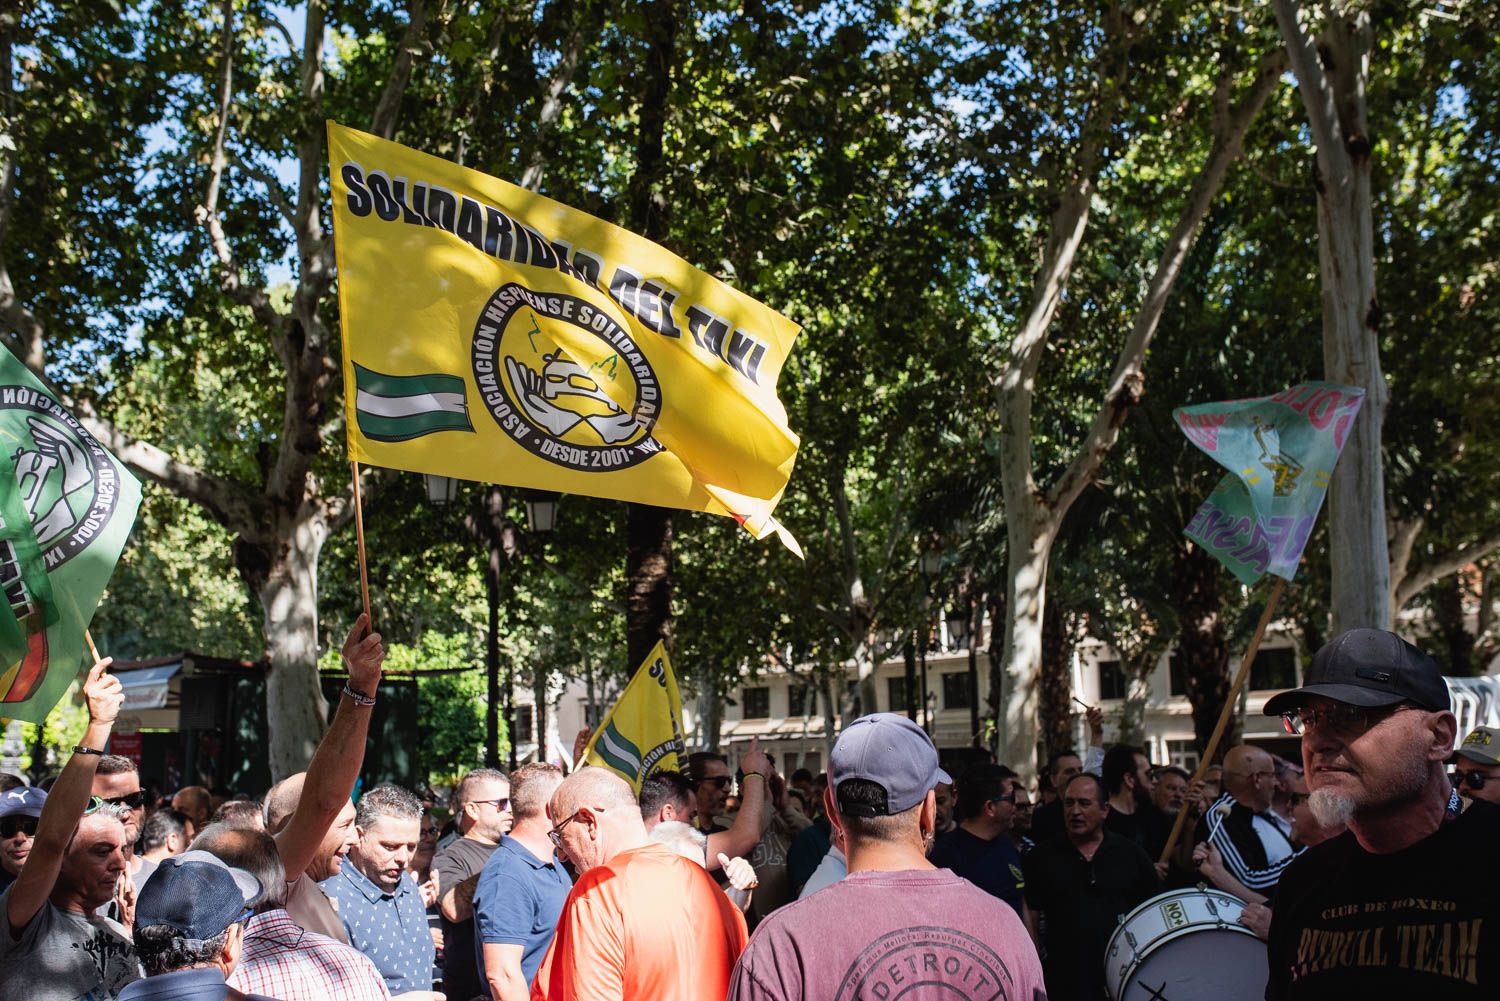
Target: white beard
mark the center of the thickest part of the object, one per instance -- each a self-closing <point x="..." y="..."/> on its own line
<point x="1331" y="808"/>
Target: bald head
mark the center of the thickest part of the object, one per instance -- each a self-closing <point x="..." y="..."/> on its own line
<point x="1250" y="776"/>
<point x="253" y="851"/>
<point x="281" y="801"/>
<point x="597" y="787"/>
<point x="596" y="816"/>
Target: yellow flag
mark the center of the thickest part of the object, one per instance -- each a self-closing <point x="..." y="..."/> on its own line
<point x="493" y="334"/>
<point x="643" y="732"/>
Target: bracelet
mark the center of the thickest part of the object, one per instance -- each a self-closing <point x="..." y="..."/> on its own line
<point x="359" y="697"/>
<point x="80" y="749"/>
<point x="759" y="775"/>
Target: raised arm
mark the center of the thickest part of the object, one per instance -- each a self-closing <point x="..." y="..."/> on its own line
<point x="750" y="823"/>
<point x="66" y="802"/>
<point x="336" y="763"/>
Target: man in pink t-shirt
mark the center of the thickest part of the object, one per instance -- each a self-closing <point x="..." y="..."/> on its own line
<point x="896" y="926"/>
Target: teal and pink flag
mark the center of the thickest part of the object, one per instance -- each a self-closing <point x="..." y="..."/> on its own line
<point x="1280" y="452"/>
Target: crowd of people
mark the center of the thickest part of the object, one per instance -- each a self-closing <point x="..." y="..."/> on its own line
<point x="1361" y="866"/>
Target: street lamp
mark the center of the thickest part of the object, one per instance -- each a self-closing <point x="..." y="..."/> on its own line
<point x="929" y="562"/>
<point x="440" y="489"/>
<point x="541" y="512"/>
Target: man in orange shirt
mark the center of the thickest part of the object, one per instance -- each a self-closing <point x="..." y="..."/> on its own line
<point x="642" y="923"/>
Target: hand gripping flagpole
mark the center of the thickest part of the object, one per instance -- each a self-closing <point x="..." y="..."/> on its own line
<point x="1240" y="677"/>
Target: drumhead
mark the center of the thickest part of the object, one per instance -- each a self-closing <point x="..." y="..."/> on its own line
<point x="1204" y="963"/>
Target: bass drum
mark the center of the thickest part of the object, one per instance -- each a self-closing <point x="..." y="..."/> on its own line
<point x="1186" y="945"/>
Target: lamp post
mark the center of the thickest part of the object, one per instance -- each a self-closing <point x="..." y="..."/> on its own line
<point x="489" y="526"/>
<point x="930" y="562"/>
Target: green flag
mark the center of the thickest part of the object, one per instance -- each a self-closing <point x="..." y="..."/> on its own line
<point x="1280" y="452"/>
<point x="79" y="502"/>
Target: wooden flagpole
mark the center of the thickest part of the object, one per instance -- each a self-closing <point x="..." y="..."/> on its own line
<point x="359" y="537"/>
<point x="1234" y="694"/>
<point x="93" y="650"/>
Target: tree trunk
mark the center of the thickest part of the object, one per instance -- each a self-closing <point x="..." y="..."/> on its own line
<point x="648" y="565"/>
<point x="995" y="652"/>
<point x="1030" y="541"/>
<point x="1057" y="680"/>
<point x="1332" y="75"/>
<point x="1448" y="615"/>
<point x="1202" y="643"/>
<point x="711" y="710"/>
<point x="648" y="572"/>
<point x="296" y="712"/>
<point x="975" y="612"/>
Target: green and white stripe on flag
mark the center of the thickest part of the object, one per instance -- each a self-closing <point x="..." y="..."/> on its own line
<point x="621" y="755"/>
<point x="403" y="407"/>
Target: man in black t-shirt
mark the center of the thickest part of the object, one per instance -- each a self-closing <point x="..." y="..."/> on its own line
<point x="978" y="849"/>
<point x="1081" y="886"/>
<point x="1406" y="903"/>
<point x="482" y="814"/>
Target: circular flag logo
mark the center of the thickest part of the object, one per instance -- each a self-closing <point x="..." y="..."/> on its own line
<point x="593" y="415"/>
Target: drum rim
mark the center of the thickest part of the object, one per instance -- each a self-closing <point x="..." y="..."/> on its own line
<point x="1138" y="955"/>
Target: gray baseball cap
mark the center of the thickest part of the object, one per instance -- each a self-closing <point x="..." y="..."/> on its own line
<point x="894" y="753"/>
<point x="1481" y="745"/>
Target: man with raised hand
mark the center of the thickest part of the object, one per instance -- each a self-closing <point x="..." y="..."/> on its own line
<point x="896" y="926"/>
<point x="310" y="814"/>
<point x="53" y="947"/>
<point x="642" y="923"/>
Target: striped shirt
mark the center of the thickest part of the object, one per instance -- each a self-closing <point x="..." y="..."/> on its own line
<point x="282" y="960"/>
<point x="1255" y="849"/>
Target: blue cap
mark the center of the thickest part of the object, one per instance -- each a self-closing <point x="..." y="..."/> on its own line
<point x="891" y="751"/>
<point x="22" y="801"/>
<point x="195" y="893"/>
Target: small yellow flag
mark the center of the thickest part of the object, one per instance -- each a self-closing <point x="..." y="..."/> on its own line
<point x="643" y="732"/>
<point x="493" y="334"/>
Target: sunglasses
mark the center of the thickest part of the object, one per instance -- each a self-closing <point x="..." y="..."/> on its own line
<point x="11" y="826"/>
<point x="131" y="800"/>
<point x="1344" y="720"/>
<point x="1474" y="780"/>
<point x="719" y="781"/>
<point x="1007" y="798"/>
<point x="500" y="804"/>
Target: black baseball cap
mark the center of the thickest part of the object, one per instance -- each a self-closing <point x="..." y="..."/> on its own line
<point x="1370" y="668"/>
<point x="195" y="893"/>
<point x="891" y="751"/>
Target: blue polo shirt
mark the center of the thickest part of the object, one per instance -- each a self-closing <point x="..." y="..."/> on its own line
<point x="517" y="902"/>
<point x="390" y="928"/>
<point x="203" y="984"/>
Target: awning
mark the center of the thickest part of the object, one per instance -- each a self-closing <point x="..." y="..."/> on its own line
<point x="146" y="688"/>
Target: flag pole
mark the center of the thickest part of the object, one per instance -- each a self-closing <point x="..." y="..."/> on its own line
<point x="359" y="537"/>
<point x="1240" y="678"/>
<point x="93" y="650"/>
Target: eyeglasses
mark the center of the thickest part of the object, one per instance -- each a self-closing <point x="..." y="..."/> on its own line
<point x="555" y="835"/>
<point x="500" y="804"/>
<point x="1007" y="798"/>
<point x="719" y="781"/>
<point x="131" y="800"/>
<point x="11" y="826"/>
<point x="1474" y="780"/>
<point x="1344" y="720"/>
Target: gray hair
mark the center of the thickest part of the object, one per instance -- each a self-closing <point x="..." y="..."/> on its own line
<point x="253" y="851"/>
<point x="684" y="839"/>
<point x="162" y="949"/>
<point x="387" y="801"/>
<point x="160" y="826"/>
